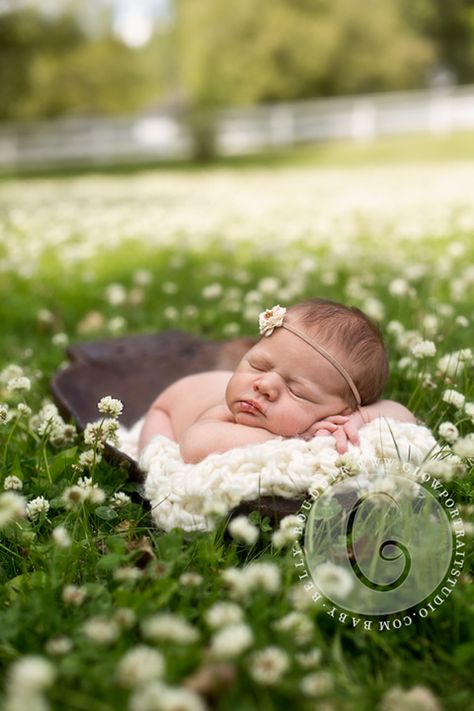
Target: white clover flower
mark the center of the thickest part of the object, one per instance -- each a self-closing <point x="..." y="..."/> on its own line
<point x="464" y="447"/>
<point x="469" y="410"/>
<point x="174" y="699"/>
<point x="110" y="406"/>
<point x="142" y="277"/>
<point x="109" y="428"/>
<point x="119" y="500"/>
<point x="430" y="324"/>
<point x="212" y="291"/>
<point x="3" y="413"/>
<point x="125" y="617"/>
<point x="168" y="626"/>
<point x="10" y="372"/>
<point x="311" y="659"/>
<point x="115" y="294"/>
<point x="222" y="614"/>
<point x="88" y="459"/>
<point x="317" y="684"/>
<point x="12" y="482"/>
<point x="253" y="297"/>
<point x="374" y="308"/>
<point x="36" y="507"/>
<point x="241" y="529"/>
<point x="448" y="431"/>
<point x="453" y="364"/>
<point x="255" y="576"/>
<point x="418" y="698"/>
<point x="190" y="311"/>
<point x="101" y="630"/>
<point x="30" y="674"/>
<point x="140" y="665"/>
<point x="59" y="645"/>
<point x="264" y="576"/>
<point x="60" y="339"/>
<point x="74" y="594"/>
<point x="97" y="433"/>
<point x="191" y="579"/>
<point x="24" y="409"/>
<point x="171" y="313"/>
<point x="12" y="506"/>
<point x="93" y="434"/>
<point x="423" y="349"/>
<point x="231" y="640"/>
<point x="453" y="397"/>
<point x="270" y="319"/>
<point x="442" y="469"/>
<point x="300" y="598"/>
<point x="92" y="492"/>
<point x="51" y="423"/>
<point x="269" y="285"/>
<point x="20" y="384"/>
<point x="45" y="317"/>
<point x="74" y="496"/>
<point x="268" y="665"/>
<point x="333" y="580"/>
<point x="169" y="287"/>
<point x="395" y="328"/>
<point x="155" y="695"/>
<point x="61" y="537"/>
<point x="461" y="321"/>
<point x="127" y="574"/>
<point x="147" y="697"/>
<point x="399" y="287"/>
<point x="116" y="324"/>
<point x="299" y="625"/>
<point x="288" y="531"/>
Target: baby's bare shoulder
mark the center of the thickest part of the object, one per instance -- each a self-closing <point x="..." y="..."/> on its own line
<point x="215" y="380"/>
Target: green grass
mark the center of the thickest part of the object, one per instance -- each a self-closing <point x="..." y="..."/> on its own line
<point x="363" y="665"/>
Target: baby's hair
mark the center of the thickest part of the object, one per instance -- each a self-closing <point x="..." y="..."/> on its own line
<point x="354" y="335"/>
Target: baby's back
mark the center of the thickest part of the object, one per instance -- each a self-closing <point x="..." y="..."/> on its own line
<point x="189" y="397"/>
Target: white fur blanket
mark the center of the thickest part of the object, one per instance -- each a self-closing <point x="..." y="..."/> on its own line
<point x="189" y="495"/>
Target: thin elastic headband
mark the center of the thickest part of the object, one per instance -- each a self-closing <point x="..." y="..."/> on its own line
<point x="273" y="318"/>
<point x="331" y="359"/>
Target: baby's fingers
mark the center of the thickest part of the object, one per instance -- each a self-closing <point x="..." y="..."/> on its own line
<point x="337" y="419"/>
<point x="341" y="440"/>
<point x="352" y="433"/>
<point x="324" y="425"/>
<point x="323" y="433"/>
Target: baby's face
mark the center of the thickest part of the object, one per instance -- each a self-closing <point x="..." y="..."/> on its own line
<point x="284" y="386"/>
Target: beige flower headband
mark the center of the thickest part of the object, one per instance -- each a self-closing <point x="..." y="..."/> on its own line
<point x="273" y="318"/>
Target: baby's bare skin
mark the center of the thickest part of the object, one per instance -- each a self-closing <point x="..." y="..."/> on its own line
<point x="281" y="388"/>
<point x="188" y="398"/>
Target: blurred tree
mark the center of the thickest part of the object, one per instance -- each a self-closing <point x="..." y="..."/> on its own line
<point x="50" y="67"/>
<point x="449" y="25"/>
<point x="23" y="36"/>
<point x="289" y="49"/>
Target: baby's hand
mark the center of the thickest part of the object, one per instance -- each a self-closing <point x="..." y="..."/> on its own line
<point x="343" y="428"/>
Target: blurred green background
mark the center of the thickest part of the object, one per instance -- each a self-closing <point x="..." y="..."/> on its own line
<point x="105" y="57"/>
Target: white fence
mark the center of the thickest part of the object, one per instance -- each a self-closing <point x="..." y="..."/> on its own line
<point x="163" y="136"/>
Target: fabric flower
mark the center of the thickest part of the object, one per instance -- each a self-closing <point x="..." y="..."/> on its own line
<point x="271" y="319"/>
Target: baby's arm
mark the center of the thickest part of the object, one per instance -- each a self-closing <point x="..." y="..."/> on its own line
<point x="157" y="421"/>
<point x="216" y="431"/>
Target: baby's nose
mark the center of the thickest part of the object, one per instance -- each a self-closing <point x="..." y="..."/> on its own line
<point x="267" y="385"/>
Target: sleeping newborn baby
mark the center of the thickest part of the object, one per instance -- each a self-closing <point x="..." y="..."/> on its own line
<point x="318" y="370"/>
